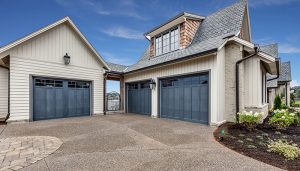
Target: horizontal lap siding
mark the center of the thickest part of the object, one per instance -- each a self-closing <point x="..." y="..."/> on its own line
<point x="20" y="75"/>
<point x="3" y="92"/>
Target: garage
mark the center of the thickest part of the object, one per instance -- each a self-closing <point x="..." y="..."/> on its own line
<point x="185" y="98"/>
<point x="139" y="98"/>
<point x="56" y="98"/>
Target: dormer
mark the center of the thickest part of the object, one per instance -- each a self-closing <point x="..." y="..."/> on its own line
<point x="176" y="33"/>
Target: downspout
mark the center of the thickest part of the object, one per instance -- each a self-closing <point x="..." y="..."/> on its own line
<point x="237" y="83"/>
<point x="8" y="97"/>
<point x="286" y="94"/>
<point x="104" y="93"/>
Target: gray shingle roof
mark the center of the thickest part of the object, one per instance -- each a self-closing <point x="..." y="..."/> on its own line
<point x="209" y="36"/>
<point x="271" y="49"/>
<point x="285" y="72"/>
<point x="284" y="76"/>
<point x="116" y="67"/>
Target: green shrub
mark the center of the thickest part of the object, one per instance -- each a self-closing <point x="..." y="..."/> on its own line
<point x="249" y="119"/>
<point x="289" y="151"/>
<point x="282" y="119"/>
<point x="277" y="102"/>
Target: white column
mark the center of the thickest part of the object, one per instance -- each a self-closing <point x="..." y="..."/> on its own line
<point x="154" y="100"/>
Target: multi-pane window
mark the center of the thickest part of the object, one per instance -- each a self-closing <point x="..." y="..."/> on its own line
<point x="167" y="41"/>
<point x="158" y="45"/>
<point x="174" y="39"/>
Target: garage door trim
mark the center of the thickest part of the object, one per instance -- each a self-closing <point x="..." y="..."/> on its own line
<point x="31" y="90"/>
<point x="158" y="86"/>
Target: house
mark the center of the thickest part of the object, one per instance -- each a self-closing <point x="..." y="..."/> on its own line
<point x="51" y="73"/>
<point x="280" y="85"/>
<point x="201" y="69"/>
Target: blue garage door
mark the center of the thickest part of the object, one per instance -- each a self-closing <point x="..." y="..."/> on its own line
<point x="139" y="98"/>
<point x="54" y="98"/>
<point x="185" y="98"/>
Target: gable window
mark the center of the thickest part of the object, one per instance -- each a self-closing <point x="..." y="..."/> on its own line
<point x="167" y="41"/>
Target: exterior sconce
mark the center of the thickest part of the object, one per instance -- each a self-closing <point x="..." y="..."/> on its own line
<point x="67" y="59"/>
<point x="152" y="84"/>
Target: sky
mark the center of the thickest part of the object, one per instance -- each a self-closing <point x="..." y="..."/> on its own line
<point x="116" y="27"/>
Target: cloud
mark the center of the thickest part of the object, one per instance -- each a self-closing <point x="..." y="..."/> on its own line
<point x="294" y="83"/>
<point x="128" y="8"/>
<point x="110" y="57"/>
<point x="288" y="48"/>
<point x="255" y="3"/>
<point x="123" y="32"/>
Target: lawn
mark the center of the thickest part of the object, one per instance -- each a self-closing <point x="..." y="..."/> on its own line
<point x="297" y="102"/>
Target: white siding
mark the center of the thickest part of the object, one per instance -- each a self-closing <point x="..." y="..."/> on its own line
<point x="43" y="56"/>
<point x="182" y="68"/>
<point x="3" y="92"/>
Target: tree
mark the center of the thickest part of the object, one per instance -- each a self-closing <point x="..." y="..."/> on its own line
<point x="277" y="102"/>
<point x="292" y="99"/>
<point x="298" y="93"/>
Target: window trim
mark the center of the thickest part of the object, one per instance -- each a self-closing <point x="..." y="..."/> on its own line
<point x="177" y="27"/>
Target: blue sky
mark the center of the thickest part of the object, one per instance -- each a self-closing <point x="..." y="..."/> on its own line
<point x="115" y="27"/>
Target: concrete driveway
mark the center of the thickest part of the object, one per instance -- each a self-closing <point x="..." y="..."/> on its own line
<point x="131" y="142"/>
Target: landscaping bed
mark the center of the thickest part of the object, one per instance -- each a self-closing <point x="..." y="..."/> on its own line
<point x="263" y="141"/>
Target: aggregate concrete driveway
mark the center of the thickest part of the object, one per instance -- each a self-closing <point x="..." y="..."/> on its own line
<point x="132" y="142"/>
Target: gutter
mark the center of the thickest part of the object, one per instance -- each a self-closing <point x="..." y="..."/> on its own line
<point x="237" y="82"/>
<point x="278" y="72"/>
<point x="177" y="60"/>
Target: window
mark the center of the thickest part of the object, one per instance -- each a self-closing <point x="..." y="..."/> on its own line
<point x="133" y="86"/>
<point x="78" y="84"/>
<point x="167" y="41"/>
<point x="48" y="83"/>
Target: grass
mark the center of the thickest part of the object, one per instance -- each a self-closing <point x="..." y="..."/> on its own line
<point x="297" y="102"/>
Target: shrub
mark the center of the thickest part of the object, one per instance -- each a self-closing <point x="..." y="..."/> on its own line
<point x="277" y="102"/>
<point x="289" y="151"/>
<point x="282" y="119"/>
<point x="249" y="119"/>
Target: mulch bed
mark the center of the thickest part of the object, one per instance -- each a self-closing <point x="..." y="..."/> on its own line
<point x="254" y="144"/>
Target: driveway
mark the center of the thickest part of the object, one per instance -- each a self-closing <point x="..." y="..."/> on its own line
<point x="131" y="142"/>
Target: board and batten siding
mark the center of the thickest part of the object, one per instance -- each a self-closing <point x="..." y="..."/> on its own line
<point x="197" y="65"/>
<point x="43" y="56"/>
<point x="3" y="92"/>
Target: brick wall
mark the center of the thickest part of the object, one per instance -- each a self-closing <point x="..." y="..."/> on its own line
<point x="187" y="33"/>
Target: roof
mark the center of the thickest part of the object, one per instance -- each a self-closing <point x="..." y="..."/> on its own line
<point x="209" y="37"/>
<point x="44" y="29"/>
<point x="271" y="49"/>
<point x="183" y="14"/>
<point x="285" y="72"/>
<point x="116" y="67"/>
<point x="284" y="76"/>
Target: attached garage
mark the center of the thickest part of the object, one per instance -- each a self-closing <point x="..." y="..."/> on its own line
<point x="56" y="98"/>
<point x="139" y="98"/>
<point x="185" y="98"/>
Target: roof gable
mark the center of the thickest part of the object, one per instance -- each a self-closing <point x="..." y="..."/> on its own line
<point x="49" y="27"/>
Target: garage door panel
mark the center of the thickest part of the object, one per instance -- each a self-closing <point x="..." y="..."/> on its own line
<point x="139" y="98"/>
<point x="50" y="103"/>
<point x="60" y="104"/>
<point x="185" y="98"/>
<point x="187" y="103"/>
<point x="60" y="98"/>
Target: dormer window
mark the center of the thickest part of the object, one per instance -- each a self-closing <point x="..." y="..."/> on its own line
<point x="167" y="41"/>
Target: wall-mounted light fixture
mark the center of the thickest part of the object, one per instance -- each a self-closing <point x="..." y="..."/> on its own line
<point x="152" y="84"/>
<point x="67" y="59"/>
